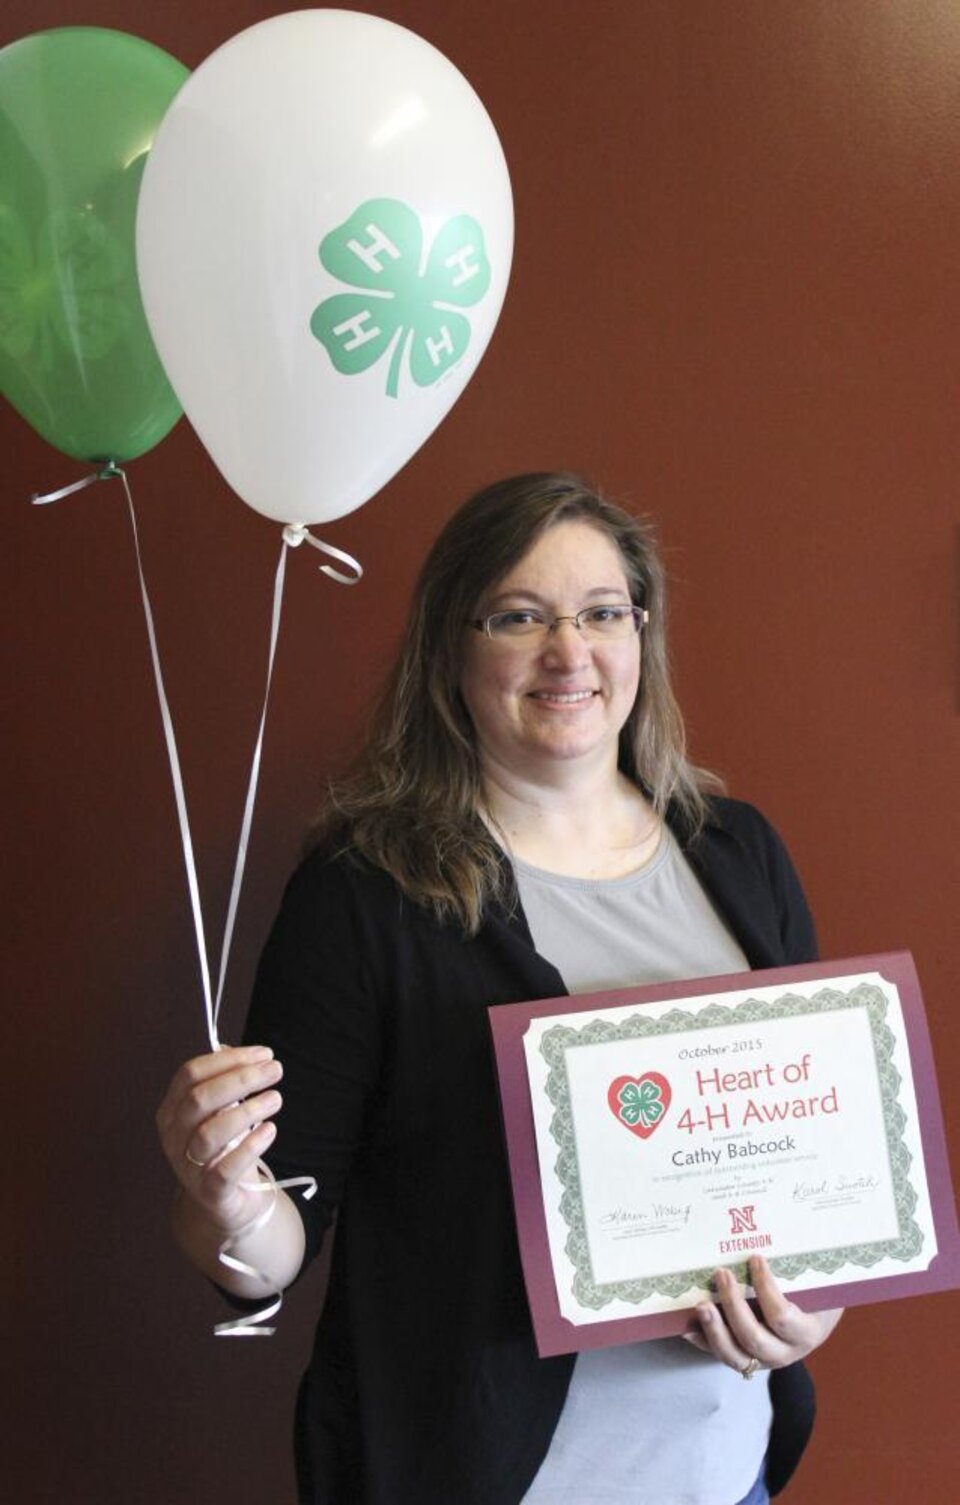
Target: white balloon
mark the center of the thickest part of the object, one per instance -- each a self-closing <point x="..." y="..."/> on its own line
<point x="311" y="382"/>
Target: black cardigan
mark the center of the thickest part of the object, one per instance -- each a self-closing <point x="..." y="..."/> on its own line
<point x="425" y="1387"/>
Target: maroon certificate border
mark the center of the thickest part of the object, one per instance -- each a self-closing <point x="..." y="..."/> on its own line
<point x="554" y="1333"/>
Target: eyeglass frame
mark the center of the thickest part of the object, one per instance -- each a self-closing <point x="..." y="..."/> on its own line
<point x="640" y="614"/>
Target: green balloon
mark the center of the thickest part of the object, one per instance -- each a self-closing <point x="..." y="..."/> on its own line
<point x="79" y="109"/>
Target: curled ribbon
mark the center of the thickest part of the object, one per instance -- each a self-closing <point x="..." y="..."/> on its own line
<point x="106" y="474"/>
<point x="252" y="1324"/>
<point x="294" y="534"/>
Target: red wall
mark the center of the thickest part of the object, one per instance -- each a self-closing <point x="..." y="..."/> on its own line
<point x="734" y="304"/>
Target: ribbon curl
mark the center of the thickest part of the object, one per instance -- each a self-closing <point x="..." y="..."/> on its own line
<point x="252" y="1324"/>
<point x="294" y="534"/>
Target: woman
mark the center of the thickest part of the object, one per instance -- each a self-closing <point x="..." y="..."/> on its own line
<point x="525" y="795"/>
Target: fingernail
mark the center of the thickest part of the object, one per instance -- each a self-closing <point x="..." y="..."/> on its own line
<point x="261" y="1053"/>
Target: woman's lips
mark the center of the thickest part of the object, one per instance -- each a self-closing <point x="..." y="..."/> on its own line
<point x="563" y="697"/>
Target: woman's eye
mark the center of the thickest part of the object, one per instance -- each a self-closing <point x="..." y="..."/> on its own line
<point x="601" y="616"/>
<point x="519" y="618"/>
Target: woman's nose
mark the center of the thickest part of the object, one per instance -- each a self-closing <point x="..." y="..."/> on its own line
<point x="565" y="644"/>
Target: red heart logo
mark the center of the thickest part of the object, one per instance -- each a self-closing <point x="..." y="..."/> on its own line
<point x="640" y="1103"/>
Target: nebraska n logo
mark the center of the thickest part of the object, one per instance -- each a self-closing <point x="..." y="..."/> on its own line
<point x="742" y="1219"/>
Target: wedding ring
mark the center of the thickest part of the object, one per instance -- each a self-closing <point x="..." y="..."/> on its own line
<point x="750" y="1370"/>
<point x="200" y="1164"/>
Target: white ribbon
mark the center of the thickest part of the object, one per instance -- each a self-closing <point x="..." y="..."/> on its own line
<point x="106" y="474"/>
<point x="252" y="1324"/>
<point x="293" y="535"/>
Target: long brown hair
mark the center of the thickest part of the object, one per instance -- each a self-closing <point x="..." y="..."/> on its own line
<point x="410" y="803"/>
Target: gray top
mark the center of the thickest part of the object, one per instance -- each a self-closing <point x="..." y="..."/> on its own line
<point x="656" y="1420"/>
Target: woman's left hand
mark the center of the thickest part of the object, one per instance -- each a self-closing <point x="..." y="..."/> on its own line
<point x="747" y="1339"/>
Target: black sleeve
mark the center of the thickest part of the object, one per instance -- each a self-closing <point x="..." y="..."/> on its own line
<point x="797" y="930"/>
<point x="317" y="1003"/>
<point x="747" y="869"/>
<point x="794" y="1410"/>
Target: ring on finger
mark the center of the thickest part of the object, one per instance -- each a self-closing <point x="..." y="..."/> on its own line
<point x="750" y="1369"/>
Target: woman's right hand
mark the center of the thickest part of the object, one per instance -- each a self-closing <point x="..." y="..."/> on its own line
<point x="214" y="1125"/>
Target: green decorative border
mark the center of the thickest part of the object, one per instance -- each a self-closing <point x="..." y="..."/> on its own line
<point x="560" y="1038"/>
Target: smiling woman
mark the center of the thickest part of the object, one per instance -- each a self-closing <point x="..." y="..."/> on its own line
<point x="523" y="822"/>
<point x="560" y="694"/>
<point x="430" y="790"/>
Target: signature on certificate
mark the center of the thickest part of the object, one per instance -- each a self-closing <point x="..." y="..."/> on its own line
<point x="808" y="1191"/>
<point x="657" y="1212"/>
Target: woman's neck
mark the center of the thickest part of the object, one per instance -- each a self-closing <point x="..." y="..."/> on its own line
<point x="590" y="827"/>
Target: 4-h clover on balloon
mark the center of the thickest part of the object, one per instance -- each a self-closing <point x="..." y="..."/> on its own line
<point x="64" y="290"/>
<point x="380" y="248"/>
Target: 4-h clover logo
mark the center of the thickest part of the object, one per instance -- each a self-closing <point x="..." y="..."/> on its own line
<point x="639" y="1103"/>
<point x="69" y="287"/>
<point x="406" y="305"/>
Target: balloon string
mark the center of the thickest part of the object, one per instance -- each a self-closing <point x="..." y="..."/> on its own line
<point x="251" y="1324"/>
<point x="251" y="795"/>
<point x="108" y="473"/>
<point x="293" y="535"/>
<point x="178" y="790"/>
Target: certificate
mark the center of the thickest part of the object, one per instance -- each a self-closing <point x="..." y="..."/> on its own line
<point x="657" y="1133"/>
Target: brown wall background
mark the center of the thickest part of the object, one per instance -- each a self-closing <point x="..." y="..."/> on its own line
<point x="735" y="304"/>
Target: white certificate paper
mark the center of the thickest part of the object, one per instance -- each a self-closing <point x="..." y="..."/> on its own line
<point x="683" y="1133"/>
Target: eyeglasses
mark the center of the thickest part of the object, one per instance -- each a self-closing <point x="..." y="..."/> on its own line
<point x="526" y="625"/>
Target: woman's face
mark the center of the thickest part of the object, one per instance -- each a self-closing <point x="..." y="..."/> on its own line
<point x="538" y="703"/>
